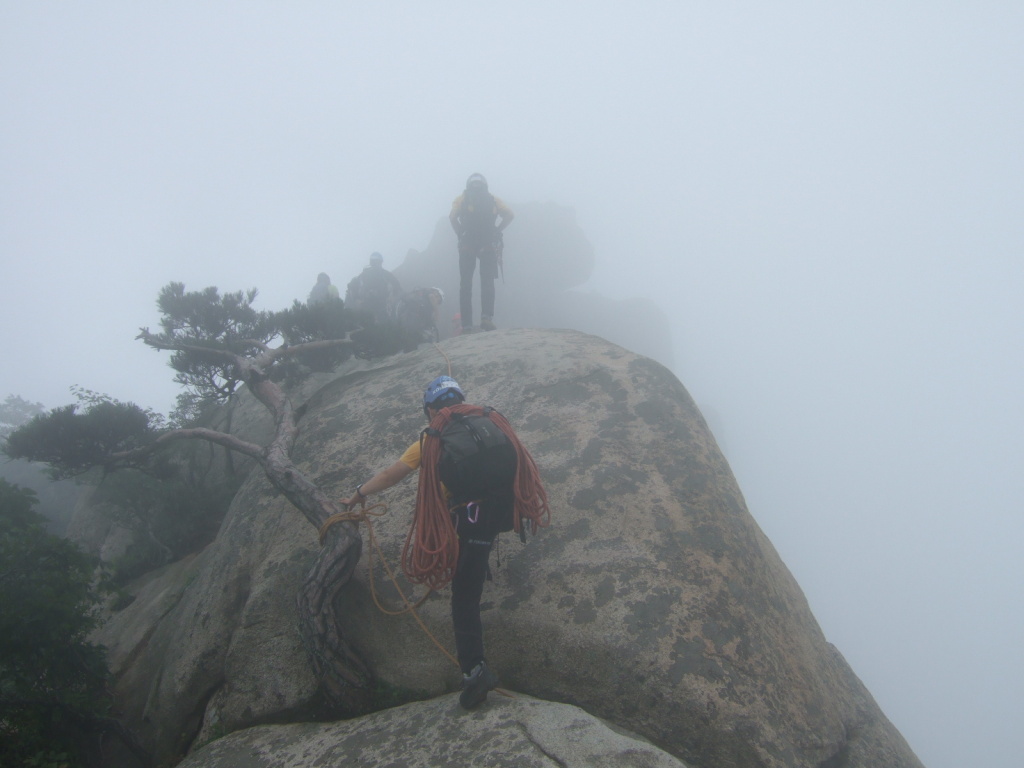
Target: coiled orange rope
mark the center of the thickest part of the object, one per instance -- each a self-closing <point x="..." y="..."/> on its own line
<point x="366" y="515"/>
<point x="431" y="551"/>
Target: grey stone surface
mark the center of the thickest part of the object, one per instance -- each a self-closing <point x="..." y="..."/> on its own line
<point x="653" y="600"/>
<point x="519" y="732"/>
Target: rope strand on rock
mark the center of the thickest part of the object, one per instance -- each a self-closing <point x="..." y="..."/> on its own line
<point x="366" y="515"/>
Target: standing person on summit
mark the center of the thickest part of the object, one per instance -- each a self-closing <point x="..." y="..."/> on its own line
<point x="479" y="218"/>
<point x="374" y="290"/>
<point x="476" y="480"/>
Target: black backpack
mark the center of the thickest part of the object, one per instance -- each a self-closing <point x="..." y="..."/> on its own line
<point x="477" y="214"/>
<point x="477" y="459"/>
<point x="374" y="285"/>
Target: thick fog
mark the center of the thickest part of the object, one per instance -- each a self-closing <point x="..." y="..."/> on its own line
<point x="826" y="202"/>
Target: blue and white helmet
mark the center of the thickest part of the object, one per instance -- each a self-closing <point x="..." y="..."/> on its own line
<point x="442" y="392"/>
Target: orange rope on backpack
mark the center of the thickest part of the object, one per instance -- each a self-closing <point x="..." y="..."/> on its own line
<point x="431" y="550"/>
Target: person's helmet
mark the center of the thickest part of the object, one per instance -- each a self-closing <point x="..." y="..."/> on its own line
<point x="442" y="392"/>
<point x="376" y="258"/>
<point x="476" y="182"/>
<point x="439" y="292"/>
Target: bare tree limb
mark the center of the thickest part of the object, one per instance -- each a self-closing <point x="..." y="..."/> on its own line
<point x="214" y="436"/>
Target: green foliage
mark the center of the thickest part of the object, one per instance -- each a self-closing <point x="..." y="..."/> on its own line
<point x="73" y="441"/>
<point x="165" y="496"/>
<point x="208" y="316"/>
<point x="15" y="411"/>
<point x="16" y="507"/>
<point x="51" y="677"/>
<point x="214" y="339"/>
<point x="331" y="319"/>
<point x="328" y="319"/>
<point x="206" y="320"/>
<point x="321" y="321"/>
<point x="56" y="499"/>
<point x="200" y="326"/>
<point x="190" y="408"/>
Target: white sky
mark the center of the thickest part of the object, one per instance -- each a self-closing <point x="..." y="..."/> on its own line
<point x="826" y="202"/>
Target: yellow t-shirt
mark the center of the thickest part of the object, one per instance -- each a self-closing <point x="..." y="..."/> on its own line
<point x="500" y="209"/>
<point x="412" y="458"/>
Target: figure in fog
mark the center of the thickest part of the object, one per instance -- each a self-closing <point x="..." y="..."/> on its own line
<point x="418" y="311"/>
<point x="323" y="290"/>
<point x="374" y="290"/>
<point x="479" y="218"/>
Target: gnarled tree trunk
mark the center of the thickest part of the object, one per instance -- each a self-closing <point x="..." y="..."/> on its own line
<point x="344" y="677"/>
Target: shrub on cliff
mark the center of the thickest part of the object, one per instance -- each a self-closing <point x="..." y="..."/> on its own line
<point x="52" y="678"/>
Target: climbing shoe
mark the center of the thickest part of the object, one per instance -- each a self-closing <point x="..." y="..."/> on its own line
<point x="486" y="324"/>
<point x="476" y="684"/>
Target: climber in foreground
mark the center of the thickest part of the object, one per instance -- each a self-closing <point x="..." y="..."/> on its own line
<point x="479" y="218"/>
<point x="476" y="480"/>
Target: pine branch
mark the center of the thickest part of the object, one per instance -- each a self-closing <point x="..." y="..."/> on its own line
<point x="157" y="341"/>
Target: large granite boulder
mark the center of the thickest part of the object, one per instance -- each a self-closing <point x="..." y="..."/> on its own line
<point x="653" y="600"/>
<point x="519" y="732"/>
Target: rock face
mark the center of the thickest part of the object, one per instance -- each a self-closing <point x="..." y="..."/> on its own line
<point x="653" y="600"/>
<point x="519" y="732"/>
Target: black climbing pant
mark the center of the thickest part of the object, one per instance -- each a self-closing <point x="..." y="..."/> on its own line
<point x="468" y="256"/>
<point x="478" y="524"/>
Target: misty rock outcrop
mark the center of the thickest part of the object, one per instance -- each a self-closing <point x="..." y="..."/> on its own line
<point x="547" y="259"/>
<point x="98" y="527"/>
<point x="653" y="601"/>
<point x="519" y="732"/>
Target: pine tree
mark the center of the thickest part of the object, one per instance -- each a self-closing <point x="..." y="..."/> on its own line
<point x="53" y="700"/>
<point x="219" y="342"/>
